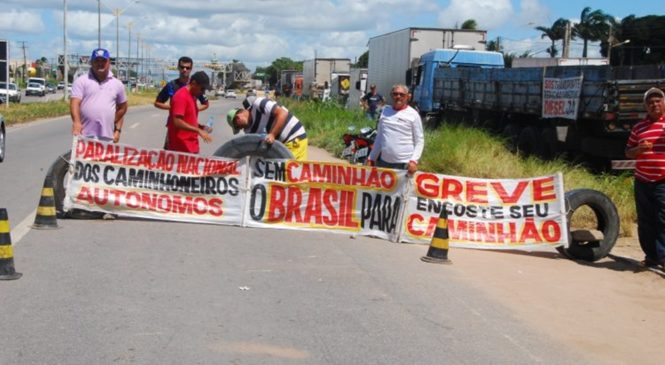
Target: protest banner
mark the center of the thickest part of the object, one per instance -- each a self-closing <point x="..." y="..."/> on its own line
<point x="158" y="184"/>
<point x="335" y="197"/>
<point x="488" y="213"/>
<point x="561" y="97"/>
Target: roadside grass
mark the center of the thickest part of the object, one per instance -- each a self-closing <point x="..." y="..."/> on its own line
<point x="21" y="113"/>
<point x="453" y="149"/>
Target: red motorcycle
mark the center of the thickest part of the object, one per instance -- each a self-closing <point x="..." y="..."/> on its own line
<point x="358" y="145"/>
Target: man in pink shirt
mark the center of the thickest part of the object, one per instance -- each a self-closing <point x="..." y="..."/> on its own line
<point x="183" y="127"/>
<point x="98" y="102"/>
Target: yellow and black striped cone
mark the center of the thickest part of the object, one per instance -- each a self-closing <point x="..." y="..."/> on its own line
<point x="438" y="248"/>
<point x="7" y="271"/>
<point x="45" y="217"/>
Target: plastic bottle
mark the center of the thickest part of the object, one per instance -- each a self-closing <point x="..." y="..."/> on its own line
<point x="210" y="122"/>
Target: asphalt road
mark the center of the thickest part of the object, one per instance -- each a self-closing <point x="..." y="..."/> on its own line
<point x="153" y="292"/>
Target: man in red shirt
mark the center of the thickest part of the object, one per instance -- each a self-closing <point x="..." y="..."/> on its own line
<point x="183" y="127"/>
<point x="646" y="145"/>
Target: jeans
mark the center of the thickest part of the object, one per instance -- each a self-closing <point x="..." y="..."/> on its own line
<point x="650" y="205"/>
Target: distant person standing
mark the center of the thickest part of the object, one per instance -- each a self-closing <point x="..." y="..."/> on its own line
<point x="185" y="65"/>
<point x="98" y="101"/>
<point x="399" y="139"/>
<point x="371" y="103"/>
<point x="183" y="125"/>
<point x="646" y="145"/>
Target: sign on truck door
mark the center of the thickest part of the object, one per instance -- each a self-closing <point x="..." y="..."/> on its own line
<point x="561" y="97"/>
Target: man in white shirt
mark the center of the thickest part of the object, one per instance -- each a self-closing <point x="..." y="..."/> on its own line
<point x="400" y="140"/>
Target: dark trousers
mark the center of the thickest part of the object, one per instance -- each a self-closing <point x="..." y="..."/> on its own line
<point x="650" y="204"/>
<point x="390" y="165"/>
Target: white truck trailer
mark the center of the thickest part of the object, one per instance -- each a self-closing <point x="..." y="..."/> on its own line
<point x="392" y="54"/>
<point x="321" y="72"/>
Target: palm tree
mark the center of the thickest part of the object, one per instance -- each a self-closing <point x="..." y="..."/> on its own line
<point x="556" y="32"/>
<point x="593" y="26"/>
<point x="469" y="24"/>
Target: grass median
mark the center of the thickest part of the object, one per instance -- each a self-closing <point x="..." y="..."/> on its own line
<point x="457" y="150"/>
<point x="25" y="112"/>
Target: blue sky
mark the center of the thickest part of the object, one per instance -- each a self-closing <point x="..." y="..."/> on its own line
<point x="259" y="31"/>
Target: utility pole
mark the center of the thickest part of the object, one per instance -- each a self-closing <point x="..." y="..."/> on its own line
<point x="566" y="41"/>
<point x="99" y="23"/>
<point x="129" y="54"/>
<point x="25" y="60"/>
<point x="64" y="56"/>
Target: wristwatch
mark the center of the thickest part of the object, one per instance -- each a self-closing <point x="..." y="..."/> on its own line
<point x="116" y="129"/>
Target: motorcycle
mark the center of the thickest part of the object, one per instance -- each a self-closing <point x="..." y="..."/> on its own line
<point x="358" y="145"/>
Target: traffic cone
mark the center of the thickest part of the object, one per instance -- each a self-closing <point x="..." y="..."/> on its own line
<point x="438" y="248"/>
<point x="45" y="217"/>
<point x="7" y="271"/>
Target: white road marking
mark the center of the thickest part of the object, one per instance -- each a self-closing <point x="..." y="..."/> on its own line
<point x="22" y="228"/>
<point x="134" y="125"/>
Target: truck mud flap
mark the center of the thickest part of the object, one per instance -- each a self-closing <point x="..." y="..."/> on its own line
<point x="252" y="145"/>
<point x="607" y="222"/>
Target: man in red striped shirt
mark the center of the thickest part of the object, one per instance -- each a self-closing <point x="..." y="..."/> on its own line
<point x="646" y="145"/>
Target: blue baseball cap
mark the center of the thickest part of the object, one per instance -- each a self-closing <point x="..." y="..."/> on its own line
<point x="100" y="52"/>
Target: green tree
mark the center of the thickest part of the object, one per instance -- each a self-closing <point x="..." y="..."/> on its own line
<point x="277" y="66"/>
<point x="469" y="24"/>
<point x="556" y="32"/>
<point x="363" y="60"/>
<point x="647" y="41"/>
<point x="593" y="26"/>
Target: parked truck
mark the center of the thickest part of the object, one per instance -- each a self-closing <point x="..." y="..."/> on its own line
<point x="584" y="111"/>
<point x="393" y="54"/>
<point x="319" y="74"/>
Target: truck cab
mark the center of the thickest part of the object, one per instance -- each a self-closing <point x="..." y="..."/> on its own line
<point x="423" y="86"/>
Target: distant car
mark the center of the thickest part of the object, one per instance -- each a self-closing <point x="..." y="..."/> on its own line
<point x="230" y="94"/>
<point x="220" y="92"/>
<point x="35" y="89"/>
<point x="13" y="93"/>
<point x="50" y="88"/>
<point x="251" y="92"/>
<point x="61" y="86"/>
<point x="2" y="138"/>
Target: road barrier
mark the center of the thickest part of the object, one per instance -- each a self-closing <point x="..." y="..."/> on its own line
<point x="438" y="248"/>
<point x="45" y="217"/>
<point x="7" y="271"/>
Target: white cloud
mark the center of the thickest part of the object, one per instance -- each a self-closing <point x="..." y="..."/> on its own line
<point x="487" y="13"/>
<point x="17" y="21"/>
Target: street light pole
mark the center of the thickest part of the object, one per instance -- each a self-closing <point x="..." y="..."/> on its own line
<point x="99" y="23"/>
<point x="129" y="55"/>
<point x="611" y="46"/>
<point x="64" y="56"/>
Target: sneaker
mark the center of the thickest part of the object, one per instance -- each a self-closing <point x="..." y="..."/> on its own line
<point x="109" y="217"/>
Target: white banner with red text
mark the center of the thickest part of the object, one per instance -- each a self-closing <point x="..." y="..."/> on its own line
<point x="158" y="184"/>
<point x="487" y="213"/>
<point x="321" y="196"/>
<point x="336" y="197"/>
<point x="561" y="97"/>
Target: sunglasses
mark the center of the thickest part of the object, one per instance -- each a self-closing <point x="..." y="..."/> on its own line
<point x="185" y="67"/>
<point x="398" y="94"/>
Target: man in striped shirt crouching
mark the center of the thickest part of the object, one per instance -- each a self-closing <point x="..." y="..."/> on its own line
<point x="262" y="115"/>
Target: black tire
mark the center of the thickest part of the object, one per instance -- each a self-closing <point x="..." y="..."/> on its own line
<point x="528" y="142"/>
<point x="607" y="220"/>
<point x="511" y="132"/>
<point x="252" y="145"/>
<point x="58" y="171"/>
<point x="551" y="145"/>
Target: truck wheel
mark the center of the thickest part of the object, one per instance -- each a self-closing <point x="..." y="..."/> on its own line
<point x="528" y="143"/>
<point x="607" y="221"/>
<point x="58" y="171"/>
<point x="252" y="145"/>
<point x="511" y="132"/>
<point x="551" y="145"/>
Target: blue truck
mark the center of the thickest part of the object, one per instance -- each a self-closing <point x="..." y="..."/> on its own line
<point x="579" y="111"/>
